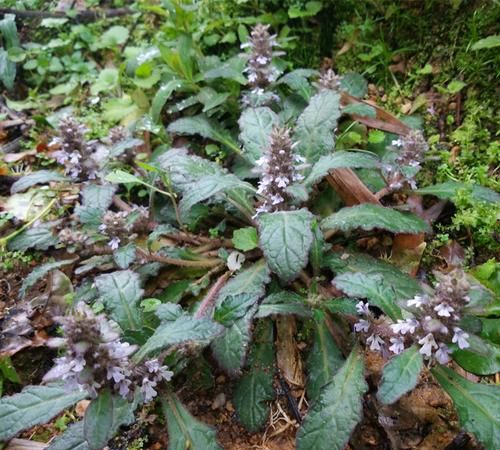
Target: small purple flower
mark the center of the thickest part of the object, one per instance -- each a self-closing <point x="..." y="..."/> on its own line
<point x="363" y="308"/>
<point x="460" y="338"/>
<point x="362" y="325"/>
<point x="442" y="354"/>
<point x="375" y="342"/>
<point x="418" y="301"/>
<point x="428" y="343"/>
<point x="405" y="326"/>
<point x="444" y="310"/>
<point x="398" y="345"/>
<point x="114" y="243"/>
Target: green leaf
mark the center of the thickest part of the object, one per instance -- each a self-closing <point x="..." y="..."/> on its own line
<point x="371" y="287"/>
<point x="360" y="109"/>
<point x="455" y="86"/>
<point x="179" y="331"/>
<point x="8" y="31"/>
<point x="210" y="98"/>
<point x="230" y="349"/>
<point x="71" y="439"/>
<point x="476" y="404"/>
<point x="120" y="176"/>
<point x="368" y="217"/>
<point x="297" y="80"/>
<point x="403" y="285"/>
<point x="104" y="416"/>
<point x="341" y="305"/>
<point x="256" y="125"/>
<point x="311" y="9"/>
<point x="340" y="159"/>
<point x="39" y="272"/>
<point x="120" y="293"/>
<point x="488" y="42"/>
<point x="161" y="97"/>
<point x="107" y="80"/>
<point x="33" y="406"/>
<point x="7" y="70"/>
<point x="39" y="177"/>
<point x="207" y="187"/>
<point x="8" y="371"/>
<point x="184" y="431"/>
<point x="449" y="190"/>
<point x="314" y="131"/>
<point x="283" y="302"/>
<point x="39" y="238"/>
<point x="245" y="239"/>
<point x="324" y="360"/>
<point x="400" y="375"/>
<point x="354" y="84"/>
<point x="114" y="36"/>
<point x="124" y="256"/>
<point x="285" y="238"/>
<point x="481" y="358"/>
<point x="98" y="196"/>
<point x="204" y="127"/>
<point x="332" y="418"/>
<point x="184" y="169"/>
<point x="254" y="390"/>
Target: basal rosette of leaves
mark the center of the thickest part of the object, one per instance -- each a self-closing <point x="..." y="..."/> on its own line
<point x="244" y="241"/>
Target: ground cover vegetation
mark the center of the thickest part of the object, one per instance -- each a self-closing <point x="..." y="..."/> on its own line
<point x="249" y="224"/>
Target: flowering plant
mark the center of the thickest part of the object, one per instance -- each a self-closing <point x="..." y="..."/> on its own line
<point x="234" y="256"/>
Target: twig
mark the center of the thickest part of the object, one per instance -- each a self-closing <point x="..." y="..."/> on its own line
<point x="79" y="16"/>
<point x="201" y="263"/>
<point x="209" y="299"/>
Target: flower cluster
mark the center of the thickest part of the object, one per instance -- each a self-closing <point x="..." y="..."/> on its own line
<point x="329" y="80"/>
<point x="259" y="69"/>
<point x="403" y="163"/>
<point x="278" y="168"/>
<point x="96" y="358"/>
<point x="74" y="152"/>
<point x="433" y="325"/>
<point x="123" y="226"/>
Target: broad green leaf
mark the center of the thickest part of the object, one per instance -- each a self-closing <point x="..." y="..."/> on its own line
<point x="340" y="159"/>
<point x="341" y="305"/>
<point x="8" y="371"/>
<point x="7" y="70"/>
<point x="311" y="9"/>
<point x="285" y="239"/>
<point x="283" y="302"/>
<point x="210" y="98"/>
<point x="232" y="69"/>
<point x="204" y="127"/>
<point x="476" y="404"/>
<point x="403" y="285"/>
<point x="161" y="97"/>
<point x="105" y="414"/>
<point x="333" y="416"/>
<point x="241" y="293"/>
<point x="230" y="349"/>
<point x="354" y="84"/>
<point x="8" y="30"/>
<point x="314" y="131"/>
<point x="256" y="125"/>
<point x="360" y="109"/>
<point x="124" y="256"/>
<point x="481" y="358"/>
<point x="245" y="239"/>
<point x="254" y="390"/>
<point x="98" y="196"/>
<point x="120" y="176"/>
<point x="209" y="186"/>
<point x="107" y="80"/>
<point x="120" y="293"/>
<point x="113" y="37"/>
<point x="368" y="217"/>
<point x="371" y="287"/>
<point x="449" y="190"/>
<point x="455" y="86"/>
<point x="324" y="360"/>
<point x="39" y="177"/>
<point x="38" y="238"/>
<point x="39" y="272"/>
<point x="488" y="42"/>
<point x="33" y="406"/>
<point x="71" y="439"/>
<point x="182" y="330"/>
<point x="297" y="80"/>
<point x="184" y="431"/>
<point x="184" y="169"/>
<point x="400" y="375"/>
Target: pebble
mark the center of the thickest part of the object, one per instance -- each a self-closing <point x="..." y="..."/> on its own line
<point x="219" y="401"/>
